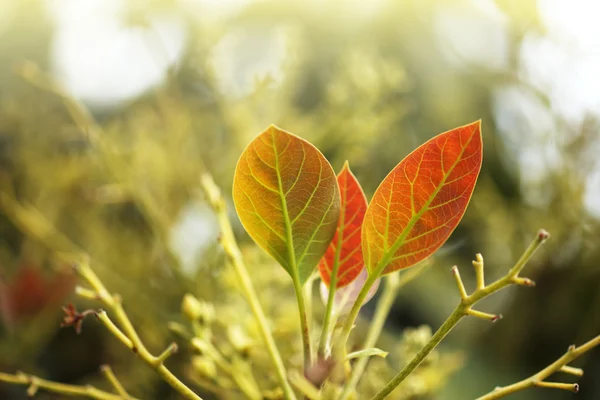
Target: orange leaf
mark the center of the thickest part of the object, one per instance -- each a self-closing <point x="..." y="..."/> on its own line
<point x="347" y="261"/>
<point x="287" y="198"/>
<point x="420" y="203"/>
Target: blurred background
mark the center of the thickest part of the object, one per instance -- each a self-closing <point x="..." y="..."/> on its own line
<point x="111" y="109"/>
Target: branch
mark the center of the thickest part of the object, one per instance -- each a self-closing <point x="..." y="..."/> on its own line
<point x="464" y="308"/>
<point x="127" y="334"/>
<point x="217" y="202"/>
<point x="32" y="222"/>
<point x="34" y="384"/>
<point x="539" y="379"/>
<point x="110" y="376"/>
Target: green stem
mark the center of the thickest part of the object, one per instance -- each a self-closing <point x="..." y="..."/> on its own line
<point x="376" y="325"/>
<point x="441" y="333"/>
<point x="110" y="376"/>
<point x="306" y="343"/>
<point x="308" y="298"/>
<point x="340" y="347"/>
<point x="327" y="320"/>
<point x="232" y="250"/>
<point x="464" y="308"/>
<point x="394" y="282"/>
<point x="538" y="379"/>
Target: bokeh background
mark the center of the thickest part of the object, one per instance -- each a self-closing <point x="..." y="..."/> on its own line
<point x="111" y="109"/>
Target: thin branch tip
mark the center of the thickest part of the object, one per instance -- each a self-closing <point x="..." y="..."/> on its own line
<point x="543" y="235"/>
<point x="484" y="315"/>
<point x="570" y="387"/>
<point x="169" y="351"/>
<point x="459" y="283"/>
<point x="571" y="370"/>
<point x="524" y="282"/>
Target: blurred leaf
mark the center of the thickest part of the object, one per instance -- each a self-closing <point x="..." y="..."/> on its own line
<point x="288" y="200"/>
<point x="420" y="203"/>
<point x="367" y="353"/>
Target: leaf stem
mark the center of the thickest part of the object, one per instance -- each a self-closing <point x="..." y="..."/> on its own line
<point x="340" y="347"/>
<point x="394" y="282"/>
<point x="110" y="376"/>
<point x="306" y="342"/>
<point x="324" y="340"/>
<point x="463" y="309"/>
<point x="232" y="250"/>
<point x="539" y="379"/>
<point x="308" y="298"/>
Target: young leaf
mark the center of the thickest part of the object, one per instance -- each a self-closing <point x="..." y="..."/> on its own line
<point x="347" y="295"/>
<point x="422" y="200"/>
<point x="370" y="352"/>
<point x="287" y="198"/>
<point x="348" y="259"/>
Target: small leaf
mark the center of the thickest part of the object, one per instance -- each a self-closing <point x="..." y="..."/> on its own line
<point x="422" y="200"/>
<point x="345" y="297"/>
<point x="348" y="257"/>
<point x="287" y="198"/>
<point x="373" y="351"/>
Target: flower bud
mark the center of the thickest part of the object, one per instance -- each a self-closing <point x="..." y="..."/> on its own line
<point x="196" y="310"/>
<point x="204" y="366"/>
<point x="239" y="339"/>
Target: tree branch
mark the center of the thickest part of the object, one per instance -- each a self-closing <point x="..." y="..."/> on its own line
<point x="464" y="308"/>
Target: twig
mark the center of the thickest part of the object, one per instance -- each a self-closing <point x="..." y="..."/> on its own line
<point x="32" y="222"/>
<point x="328" y="318"/>
<point x="110" y="376"/>
<point x="215" y="199"/>
<point x="539" y="379"/>
<point x="464" y="308"/>
<point x="128" y="335"/>
<point x="35" y="383"/>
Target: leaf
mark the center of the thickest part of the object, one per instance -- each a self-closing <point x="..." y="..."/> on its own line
<point x="349" y="258"/>
<point x="345" y="297"/>
<point x="286" y="195"/>
<point x="370" y="352"/>
<point x="422" y="200"/>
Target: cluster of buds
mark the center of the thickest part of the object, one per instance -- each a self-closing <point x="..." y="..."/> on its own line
<point x="223" y="365"/>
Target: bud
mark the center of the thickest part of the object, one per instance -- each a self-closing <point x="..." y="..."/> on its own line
<point x="196" y="310"/>
<point x="204" y="366"/>
<point x="238" y="338"/>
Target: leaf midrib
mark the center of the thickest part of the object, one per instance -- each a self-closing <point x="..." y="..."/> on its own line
<point x="288" y="228"/>
<point x="400" y="241"/>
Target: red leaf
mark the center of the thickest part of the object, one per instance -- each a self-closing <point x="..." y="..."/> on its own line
<point x="349" y="258"/>
<point x="420" y="203"/>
